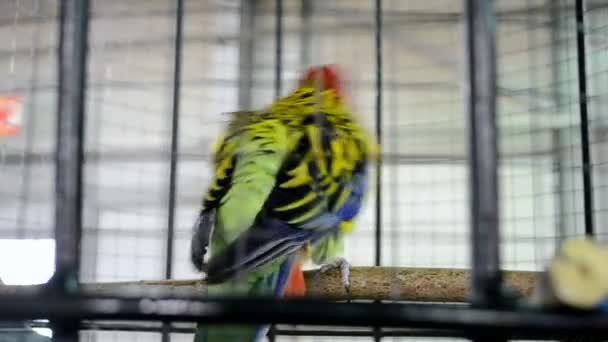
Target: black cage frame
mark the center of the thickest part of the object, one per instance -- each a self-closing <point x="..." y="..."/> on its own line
<point x="69" y="310"/>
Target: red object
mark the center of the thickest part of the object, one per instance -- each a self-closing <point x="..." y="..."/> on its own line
<point x="10" y="115"/>
<point x="296" y="286"/>
<point x="328" y="76"/>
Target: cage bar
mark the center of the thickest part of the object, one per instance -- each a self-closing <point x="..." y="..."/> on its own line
<point x="72" y="62"/>
<point x="303" y="331"/>
<point x="225" y="310"/>
<point x="480" y="93"/>
<point x="174" y="148"/>
<point x="67" y="309"/>
<point x="377" y="331"/>
<point x="584" y="125"/>
<point x="70" y="134"/>
<point x="378" y="55"/>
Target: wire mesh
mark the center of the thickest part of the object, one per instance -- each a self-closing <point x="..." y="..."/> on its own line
<point x="210" y="87"/>
<point x="597" y="80"/>
<point x="28" y="76"/>
<point x="425" y="190"/>
<point x="126" y="190"/>
<point x="527" y="116"/>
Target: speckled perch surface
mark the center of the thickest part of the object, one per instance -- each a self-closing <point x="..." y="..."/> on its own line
<point x="415" y="284"/>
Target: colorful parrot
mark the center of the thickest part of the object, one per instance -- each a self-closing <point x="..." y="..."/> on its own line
<point x="288" y="176"/>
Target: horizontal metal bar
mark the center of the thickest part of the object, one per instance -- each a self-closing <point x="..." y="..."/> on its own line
<point x="371" y="333"/>
<point x="350" y="332"/>
<point x="344" y="332"/>
<point x="186" y="308"/>
<point x="282" y="331"/>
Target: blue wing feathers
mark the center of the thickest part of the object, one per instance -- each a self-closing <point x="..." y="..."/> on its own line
<point x="283" y="275"/>
<point x="352" y="206"/>
<point x="265" y="241"/>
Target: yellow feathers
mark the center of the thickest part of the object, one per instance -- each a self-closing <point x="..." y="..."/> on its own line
<point x="300" y="176"/>
<point x="316" y="131"/>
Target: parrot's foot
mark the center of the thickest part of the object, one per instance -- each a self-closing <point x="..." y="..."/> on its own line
<point x="344" y="267"/>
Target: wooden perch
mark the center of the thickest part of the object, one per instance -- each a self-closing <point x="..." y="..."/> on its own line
<point x="414" y="284"/>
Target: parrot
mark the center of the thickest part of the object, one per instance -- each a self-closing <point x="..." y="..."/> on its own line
<point x="288" y="177"/>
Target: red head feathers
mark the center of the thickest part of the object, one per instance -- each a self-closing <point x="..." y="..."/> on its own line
<point x="327" y="76"/>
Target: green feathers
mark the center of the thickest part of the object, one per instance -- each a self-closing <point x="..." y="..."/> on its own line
<point x="291" y="135"/>
<point x="285" y="176"/>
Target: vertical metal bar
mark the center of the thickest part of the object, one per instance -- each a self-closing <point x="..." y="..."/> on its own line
<point x="72" y="69"/>
<point x="306" y="9"/>
<point x="480" y="92"/>
<point x="378" y="228"/>
<point x="73" y="37"/>
<point x="278" y="66"/>
<point x="177" y="72"/>
<point x="272" y="333"/>
<point x="166" y="332"/>
<point x="582" y="90"/>
<point x="378" y="39"/>
<point x="246" y="57"/>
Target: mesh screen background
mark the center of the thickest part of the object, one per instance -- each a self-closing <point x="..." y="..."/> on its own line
<point x="424" y="174"/>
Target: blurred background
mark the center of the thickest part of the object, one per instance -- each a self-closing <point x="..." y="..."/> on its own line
<point x="230" y="62"/>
